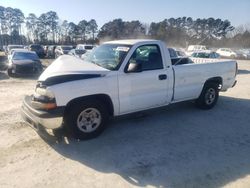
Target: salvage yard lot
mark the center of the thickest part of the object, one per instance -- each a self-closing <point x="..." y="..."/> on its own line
<point x="175" y="146"/>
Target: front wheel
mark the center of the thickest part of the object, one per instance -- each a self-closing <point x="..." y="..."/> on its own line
<point x="232" y="56"/>
<point x="86" y="120"/>
<point x="10" y="72"/>
<point x="208" y="97"/>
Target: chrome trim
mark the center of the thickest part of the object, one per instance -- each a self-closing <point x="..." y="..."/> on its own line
<point x="35" y="122"/>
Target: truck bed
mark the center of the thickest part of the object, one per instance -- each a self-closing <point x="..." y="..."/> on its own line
<point x="190" y="78"/>
<point x="209" y="60"/>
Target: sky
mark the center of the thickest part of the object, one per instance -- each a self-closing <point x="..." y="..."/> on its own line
<point x="146" y="11"/>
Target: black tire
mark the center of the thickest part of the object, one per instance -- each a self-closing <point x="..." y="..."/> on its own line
<point x="232" y="56"/>
<point x="74" y="114"/>
<point x="10" y="74"/>
<point x="209" y="96"/>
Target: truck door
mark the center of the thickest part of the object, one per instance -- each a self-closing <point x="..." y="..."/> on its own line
<point x="144" y="81"/>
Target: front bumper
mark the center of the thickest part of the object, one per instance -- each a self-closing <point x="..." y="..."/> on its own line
<point x="26" y="70"/>
<point x="50" y="119"/>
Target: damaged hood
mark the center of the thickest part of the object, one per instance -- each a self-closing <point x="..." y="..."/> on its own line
<point x="69" y="66"/>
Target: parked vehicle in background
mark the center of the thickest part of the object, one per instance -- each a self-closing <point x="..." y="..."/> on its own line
<point x="5" y="49"/>
<point x="51" y="51"/>
<point x="3" y="64"/>
<point x="38" y="49"/>
<point x="206" y="54"/>
<point x="77" y="52"/>
<point x="85" y="55"/>
<point x="15" y="50"/>
<point x="242" y="54"/>
<point x="117" y="78"/>
<point x="45" y="48"/>
<point x="193" y="48"/>
<point x="229" y="53"/>
<point x="23" y="63"/>
<point x="86" y="47"/>
<point x="176" y="59"/>
<point x="180" y="53"/>
<point x="10" y="47"/>
<point x="62" y="50"/>
<point x="245" y="53"/>
<point x="176" y="53"/>
<point x="3" y="59"/>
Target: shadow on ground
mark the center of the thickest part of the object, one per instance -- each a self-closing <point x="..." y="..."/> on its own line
<point x="176" y="146"/>
<point x="243" y="71"/>
<point x="5" y="76"/>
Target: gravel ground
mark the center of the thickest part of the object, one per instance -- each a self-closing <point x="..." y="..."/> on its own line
<point x="176" y="146"/>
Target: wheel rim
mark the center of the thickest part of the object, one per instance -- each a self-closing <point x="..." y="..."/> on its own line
<point x="89" y="120"/>
<point x="210" y="96"/>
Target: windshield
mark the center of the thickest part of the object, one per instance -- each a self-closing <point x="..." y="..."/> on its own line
<point x="14" y="50"/>
<point x="108" y="56"/>
<point x="201" y="55"/>
<point x="25" y="56"/>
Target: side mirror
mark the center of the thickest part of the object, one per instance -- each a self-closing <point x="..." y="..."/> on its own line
<point x="134" y="67"/>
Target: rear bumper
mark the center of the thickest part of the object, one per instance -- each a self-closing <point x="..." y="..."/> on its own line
<point x="51" y="119"/>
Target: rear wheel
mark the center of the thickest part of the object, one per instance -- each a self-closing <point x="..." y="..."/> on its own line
<point x="209" y="96"/>
<point x="86" y="120"/>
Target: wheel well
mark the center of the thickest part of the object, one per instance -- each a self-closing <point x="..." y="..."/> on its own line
<point x="217" y="80"/>
<point x="103" y="98"/>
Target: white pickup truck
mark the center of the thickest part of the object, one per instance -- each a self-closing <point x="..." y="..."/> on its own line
<point x="121" y="77"/>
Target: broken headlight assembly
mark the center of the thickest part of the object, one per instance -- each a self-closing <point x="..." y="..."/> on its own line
<point x="44" y="99"/>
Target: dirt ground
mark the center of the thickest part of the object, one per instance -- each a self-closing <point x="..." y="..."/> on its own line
<point x="176" y="146"/>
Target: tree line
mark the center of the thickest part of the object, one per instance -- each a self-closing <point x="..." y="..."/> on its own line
<point x="47" y="28"/>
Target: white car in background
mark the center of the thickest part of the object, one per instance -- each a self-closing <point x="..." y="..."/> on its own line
<point x="194" y="48"/>
<point x="62" y="50"/>
<point x="87" y="47"/>
<point x="227" y="52"/>
<point x="10" y="47"/>
<point x="245" y="53"/>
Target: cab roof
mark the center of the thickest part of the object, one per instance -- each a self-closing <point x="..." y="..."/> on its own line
<point x="130" y="41"/>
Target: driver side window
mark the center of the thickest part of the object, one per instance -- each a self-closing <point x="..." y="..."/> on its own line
<point x="149" y="56"/>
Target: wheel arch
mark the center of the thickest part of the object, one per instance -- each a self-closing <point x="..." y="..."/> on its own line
<point x="201" y="100"/>
<point x="217" y="80"/>
<point x="103" y="98"/>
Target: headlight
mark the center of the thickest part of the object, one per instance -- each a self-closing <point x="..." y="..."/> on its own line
<point x="44" y="92"/>
<point x="44" y="99"/>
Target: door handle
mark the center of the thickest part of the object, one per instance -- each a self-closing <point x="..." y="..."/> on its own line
<point x="162" y="77"/>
